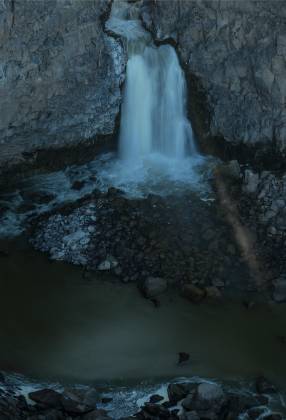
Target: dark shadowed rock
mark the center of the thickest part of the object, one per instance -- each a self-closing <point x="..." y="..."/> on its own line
<point x="263" y="386"/>
<point x="154" y="286"/>
<point x="96" y="415"/>
<point x="176" y="392"/>
<point x="255" y="412"/>
<point x="78" y="185"/>
<point x="208" y="396"/>
<point x="279" y="293"/>
<point x="155" y="398"/>
<point x="47" y="397"/>
<point x="190" y="415"/>
<point x="73" y="407"/>
<point x="193" y="293"/>
<point x="273" y="416"/>
<point x="183" y="357"/>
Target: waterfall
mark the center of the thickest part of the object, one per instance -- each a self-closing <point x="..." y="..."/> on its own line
<point x="157" y="151"/>
<point x="153" y="116"/>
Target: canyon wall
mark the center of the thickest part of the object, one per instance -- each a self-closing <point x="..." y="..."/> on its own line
<point x="234" y="54"/>
<point x="60" y="73"/>
<point x="60" y="76"/>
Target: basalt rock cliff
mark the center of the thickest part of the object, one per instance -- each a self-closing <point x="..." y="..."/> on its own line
<point x="234" y="55"/>
<point x="60" y="76"/>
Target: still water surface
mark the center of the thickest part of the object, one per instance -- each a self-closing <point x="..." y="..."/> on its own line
<point x="56" y="325"/>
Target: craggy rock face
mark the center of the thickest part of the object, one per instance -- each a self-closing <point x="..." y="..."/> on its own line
<point x="236" y="49"/>
<point x="60" y="75"/>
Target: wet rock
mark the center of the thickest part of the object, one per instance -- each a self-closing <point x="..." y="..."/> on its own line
<point x="208" y="396"/>
<point x="91" y="397"/>
<point x="193" y="293"/>
<point x="183" y="357"/>
<point x="263" y="386"/>
<point x="273" y="416"/>
<point x="106" y="400"/>
<point x="255" y="412"/>
<point x="154" y="286"/>
<point x="78" y="185"/>
<point x="190" y="415"/>
<point x="248" y="304"/>
<point x="73" y="407"/>
<point x="188" y="403"/>
<point x="47" y="415"/>
<point x="279" y="293"/>
<point x="47" y="397"/>
<point x="176" y="392"/>
<point x="156" y="410"/>
<point x="230" y="170"/>
<point x="251" y="181"/>
<point x="108" y="264"/>
<point x="96" y="415"/>
<point x="213" y="293"/>
<point x="155" y="398"/>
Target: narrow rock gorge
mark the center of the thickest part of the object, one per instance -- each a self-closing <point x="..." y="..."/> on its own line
<point x="142" y="209"/>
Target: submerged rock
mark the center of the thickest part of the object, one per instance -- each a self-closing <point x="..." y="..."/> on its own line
<point x="279" y="293"/>
<point x="193" y="293"/>
<point x="154" y="286"/>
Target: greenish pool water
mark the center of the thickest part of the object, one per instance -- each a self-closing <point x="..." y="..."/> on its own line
<point x="56" y="325"/>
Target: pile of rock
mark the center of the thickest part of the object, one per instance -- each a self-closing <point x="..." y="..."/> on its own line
<point x="49" y="404"/>
<point x="208" y="401"/>
<point x="66" y="236"/>
<point x="181" y="241"/>
<point x="184" y="401"/>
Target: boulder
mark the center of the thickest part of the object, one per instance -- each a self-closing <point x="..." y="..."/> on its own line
<point x="279" y="293"/>
<point x="209" y="396"/>
<point x="263" y="386"/>
<point x="154" y="286"/>
<point x="212" y="292"/>
<point x="108" y="264"/>
<point x="47" y="397"/>
<point x="190" y="415"/>
<point x="273" y="416"/>
<point x="155" y="410"/>
<point x="176" y="392"/>
<point x="73" y="407"/>
<point x="155" y="398"/>
<point x="96" y="415"/>
<point x="193" y="293"/>
<point x="251" y="181"/>
<point x="255" y="412"/>
<point x="188" y="402"/>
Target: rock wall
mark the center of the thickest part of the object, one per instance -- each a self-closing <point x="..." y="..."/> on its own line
<point x="60" y="76"/>
<point x="234" y="55"/>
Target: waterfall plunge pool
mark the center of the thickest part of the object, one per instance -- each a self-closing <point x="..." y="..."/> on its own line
<point x="55" y="325"/>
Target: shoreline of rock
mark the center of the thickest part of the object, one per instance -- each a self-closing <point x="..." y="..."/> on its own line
<point x="192" y="399"/>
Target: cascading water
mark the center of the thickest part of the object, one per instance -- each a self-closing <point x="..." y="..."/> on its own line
<point x="153" y="116"/>
<point x="156" y="145"/>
